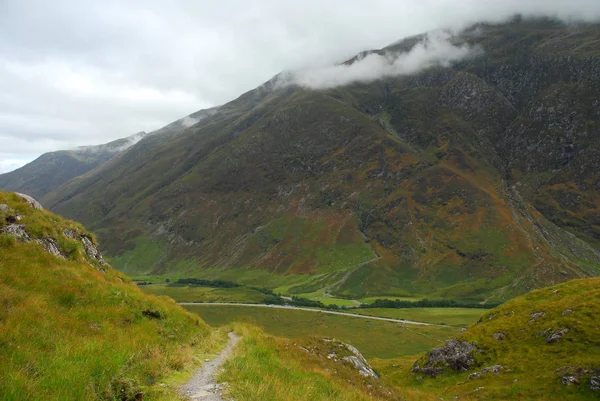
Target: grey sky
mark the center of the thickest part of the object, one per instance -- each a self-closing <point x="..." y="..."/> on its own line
<point x="78" y="72"/>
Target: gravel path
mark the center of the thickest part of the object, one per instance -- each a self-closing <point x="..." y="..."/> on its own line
<point x="203" y="386"/>
<point x="385" y="319"/>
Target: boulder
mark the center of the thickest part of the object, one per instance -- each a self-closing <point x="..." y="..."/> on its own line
<point x="456" y="355"/>
<point x="595" y="383"/>
<point x="4" y="207"/>
<point x="566" y="312"/>
<point x="32" y="202"/>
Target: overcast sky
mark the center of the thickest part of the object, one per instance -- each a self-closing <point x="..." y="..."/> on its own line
<point x="78" y="72"/>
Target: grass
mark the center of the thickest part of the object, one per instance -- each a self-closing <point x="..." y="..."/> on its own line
<point x="375" y="339"/>
<point x="268" y="368"/>
<point x="533" y="368"/>
<point x="182" y="293"/>
<point x="452" y="316"/>
<point x="71" y="332"/>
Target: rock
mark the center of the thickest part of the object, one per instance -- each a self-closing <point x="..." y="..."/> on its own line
<point x="361" y="365"/>
<point x="32" y="202"/>
<point x="456" y="355"/>
<point x="556" y="335"/>
<point x="17" y="231"/>
<point x="359" y="362"/>
<point x="4" y="207"/>
<point x="568" y="380"/>
<point x="499" y="336"/>
<point x="536" y="315"/>
<point x="50" y="246"/>
<point x="91" y="250"/>
<point x="566" y="312"/>
<point x="490" y="369"/>
<point x="595" y="383"/>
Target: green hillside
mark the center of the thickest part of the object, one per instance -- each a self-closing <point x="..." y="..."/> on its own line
<point x="476" y="181"/>
<point x="541" y="346"/>
<point x="72" y="328"/>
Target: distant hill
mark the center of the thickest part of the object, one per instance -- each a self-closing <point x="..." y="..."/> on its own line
<point x="71" y="327"/>
<point x="475" y="179"/>
<point x="51" y="170"/>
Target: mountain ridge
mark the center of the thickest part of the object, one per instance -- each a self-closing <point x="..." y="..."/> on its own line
<point x="474" y="180"/>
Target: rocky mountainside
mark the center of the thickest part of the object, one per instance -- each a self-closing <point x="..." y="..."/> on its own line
<point x="477" y="179"/>
<point x="51" y="170"/>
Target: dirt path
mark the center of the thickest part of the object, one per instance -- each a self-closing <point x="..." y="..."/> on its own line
<point x="385" y="319"/>
<point x="203" y="386"/>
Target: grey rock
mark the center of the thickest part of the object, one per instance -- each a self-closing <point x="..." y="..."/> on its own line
<point x="568" y="380"/>
<point x="32" y="202"/>
<point x="555" y="336"/>
<point x="359" y="362"/>
<point x="595" y="383"/>
<point x="91" y="250"/>
<point x="536" y="315"/>
<point x="361" y="366"/>
<point x="456" y="355"/>
<point x="566" y="312"/>
<point x="4" y="207"/>
<point x="490" y="369"/>
<point x="17" y="231"/>
<point x="50" y="246"/>
<point x="499" y="336"/>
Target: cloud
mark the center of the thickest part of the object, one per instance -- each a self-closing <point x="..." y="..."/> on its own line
<point x="82" y="72"/>
<point x="435" y="49"/>
<point x="188" y="121"/>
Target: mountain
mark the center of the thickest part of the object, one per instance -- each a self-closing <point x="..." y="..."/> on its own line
<point x="71" y="327"/>
<point x="541" y="346"/>
<point x="51" y="170"/>
<point x="476" y="178"/>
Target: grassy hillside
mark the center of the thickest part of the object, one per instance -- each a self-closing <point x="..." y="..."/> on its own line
<point x="74" y="329"/>
<point x="269" y="368"/>
<point x="546" y="342"/>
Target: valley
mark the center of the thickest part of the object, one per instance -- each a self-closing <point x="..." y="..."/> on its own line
<point x="431" y="232"/>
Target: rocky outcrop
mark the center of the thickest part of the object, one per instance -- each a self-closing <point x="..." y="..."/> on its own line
<point x="595" y="383"/>
<point x="359" y="362"/>
<point x="48" y="243"/>
<point x="32" y="202"/>
<point x="346" y="353"/>
<point x="456" y="355"/>
<point x="90" y="249"/>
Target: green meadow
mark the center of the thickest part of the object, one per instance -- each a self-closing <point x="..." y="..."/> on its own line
<point x="375" y="339"/>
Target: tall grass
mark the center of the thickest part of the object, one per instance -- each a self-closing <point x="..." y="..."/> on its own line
<point x="71" y="332"/>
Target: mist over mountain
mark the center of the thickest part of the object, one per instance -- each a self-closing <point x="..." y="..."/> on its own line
<point x="51" y="170"/>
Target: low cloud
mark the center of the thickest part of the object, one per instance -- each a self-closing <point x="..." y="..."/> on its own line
<point x="435" y="49"/>
<point x="188" y="121"/>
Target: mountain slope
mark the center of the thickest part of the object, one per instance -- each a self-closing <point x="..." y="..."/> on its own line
<point x="541" y="346"/>
<point x="471" y="181"/>
<point x="51" y="170"/>
<point x="71" y="327"/>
